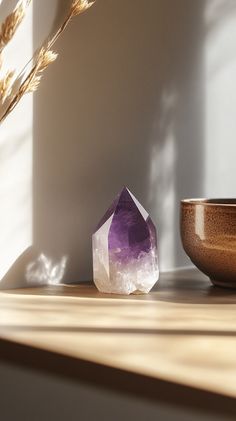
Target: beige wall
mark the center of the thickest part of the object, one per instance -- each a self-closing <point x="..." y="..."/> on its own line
<point x="123" y="105"/>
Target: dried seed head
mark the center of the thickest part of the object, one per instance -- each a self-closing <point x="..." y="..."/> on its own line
<point x="79" y="6"/>
<point x="10" y="25"/>
<point x="34" y="84"/>
<point x="6" y="86"/>
<point x="44" y="58"/>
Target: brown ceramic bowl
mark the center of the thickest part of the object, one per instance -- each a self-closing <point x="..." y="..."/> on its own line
<point x="208" y="233"/>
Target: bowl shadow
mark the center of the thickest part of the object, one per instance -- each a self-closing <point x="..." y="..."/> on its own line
<point x="193" y="287"/>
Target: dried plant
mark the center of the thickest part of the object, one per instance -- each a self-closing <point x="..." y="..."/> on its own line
<point x="40" y="61"/>
<point x="7" y="32"/>
<point x="11" y="23"/>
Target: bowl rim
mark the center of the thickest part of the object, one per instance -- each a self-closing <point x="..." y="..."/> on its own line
<point x="219" y="202"/>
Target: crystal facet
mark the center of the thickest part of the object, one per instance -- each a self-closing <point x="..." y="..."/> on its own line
<point x="125" y="248"/>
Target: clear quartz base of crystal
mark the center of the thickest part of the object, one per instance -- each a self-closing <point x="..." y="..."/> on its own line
<point x="136" y="277"/>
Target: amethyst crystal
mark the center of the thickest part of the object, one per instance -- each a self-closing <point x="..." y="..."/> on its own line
<point x="125" y="248"/>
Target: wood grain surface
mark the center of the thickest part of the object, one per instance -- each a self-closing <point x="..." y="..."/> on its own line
<point x="183" y="332"/>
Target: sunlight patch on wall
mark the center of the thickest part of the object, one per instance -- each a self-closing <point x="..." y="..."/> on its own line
<point x="220" y="58"/>
<point x="162" y="192"/>
<point x="16" y="159"/>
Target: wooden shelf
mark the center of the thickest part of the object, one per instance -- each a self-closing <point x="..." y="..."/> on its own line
<point x="183" y="334"/>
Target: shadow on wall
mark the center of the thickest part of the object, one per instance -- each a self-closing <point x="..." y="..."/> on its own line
<point x="123" y="105"/>
<point x="6" y="7"/>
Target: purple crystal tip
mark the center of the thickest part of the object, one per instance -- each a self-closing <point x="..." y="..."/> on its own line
<point x="125" y="247"/>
